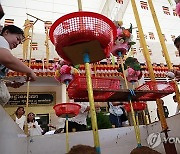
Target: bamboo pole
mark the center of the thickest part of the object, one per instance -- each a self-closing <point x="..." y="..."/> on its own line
<point x="27" y="26"/>
<point x="163" y="45"/>
<point x="148" y="61"/>
<point x="28" y="83"/>
<point x="92" y="106"/>
<point x="136" y="129"/>
<point x="47" y="45"/>
<point x="90" y="92"/>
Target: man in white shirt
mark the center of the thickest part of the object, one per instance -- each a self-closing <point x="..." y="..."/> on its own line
<point x="79" y="123"/>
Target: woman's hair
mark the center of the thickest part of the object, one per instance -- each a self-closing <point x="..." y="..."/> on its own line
<point x="177" y="40"/>
<point x="13" y="30"/>
<point x="28" y="117"/>
<point x="82" y="149"/>
<point x="16" y="112"/>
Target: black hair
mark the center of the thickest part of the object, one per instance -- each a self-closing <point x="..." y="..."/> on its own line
<point x="13" y="29"/>
<point x="16" y="112"/>
<point x="28" y="118"/>
<point x="177" y="40"/>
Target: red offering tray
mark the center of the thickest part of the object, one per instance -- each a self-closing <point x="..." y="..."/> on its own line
<point x="137" y="106"/>
<point x="67" y="109"/>
<point x="156" y="86"/>
<point x="80" y="27"/>
<point x="77" y="88"/>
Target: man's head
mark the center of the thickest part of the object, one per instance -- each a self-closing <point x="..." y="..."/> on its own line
<point x="13" y="35"/>
<point x="177" y="43"/>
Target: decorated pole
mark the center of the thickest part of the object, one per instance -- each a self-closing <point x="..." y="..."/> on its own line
<point x="148" y="61"/>
<point x="168" y="149"/>
<point x="163" y="45"/>
<point x="91" y="101"/>
<point x="136" y="128"/>
<point x="86" y="60"/>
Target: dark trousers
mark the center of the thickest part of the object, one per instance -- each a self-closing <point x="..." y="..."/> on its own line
<point x="72" y="125"/>
<point x="115" y="120"/>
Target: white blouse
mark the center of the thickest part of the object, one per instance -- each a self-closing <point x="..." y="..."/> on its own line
<point x="34" y="131"/>
<point x="21" y="121"/>
<point x="81" y="117"/>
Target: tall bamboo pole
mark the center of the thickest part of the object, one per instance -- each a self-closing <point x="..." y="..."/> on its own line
<point x="86" y="60"/>
<point x="163" y="45"/>
<point x="148" y="61"/>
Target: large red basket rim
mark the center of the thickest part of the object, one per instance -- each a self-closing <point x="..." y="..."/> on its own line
<point x="66" y="104"/>
<point x="81" y="14"/>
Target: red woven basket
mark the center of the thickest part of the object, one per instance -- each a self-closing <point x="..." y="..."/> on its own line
<point x="77" y="88"/>
<point x="78" y="27"/>
<point x="137" y="106"/>
<point x="156" y="86"/>
<point x="67" y="109"/>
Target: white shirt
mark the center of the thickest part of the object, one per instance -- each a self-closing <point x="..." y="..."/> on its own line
<point x="34" y="131"/>
<point x="61" y="123"/>
<point x="4" y="43"/>
<point x="81" y="117"/>
<point x="21" y="121"/>
<point x="113" y="109"/>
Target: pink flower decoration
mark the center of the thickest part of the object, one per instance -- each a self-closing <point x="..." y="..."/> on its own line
<point x="119" y="32"/>
<point x="65" y="69"/>
<point x="133" y="75"/>
<point x="178" y="8"/>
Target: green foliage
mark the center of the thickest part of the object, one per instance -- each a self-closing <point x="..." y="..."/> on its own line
<point x="102" y="121"/>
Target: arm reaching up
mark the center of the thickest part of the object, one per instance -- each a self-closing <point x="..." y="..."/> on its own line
<point x="13" y="63"/>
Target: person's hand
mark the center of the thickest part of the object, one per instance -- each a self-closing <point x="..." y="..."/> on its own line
<point x="31" y="76"/>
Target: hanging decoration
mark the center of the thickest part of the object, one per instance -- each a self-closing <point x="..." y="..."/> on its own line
<point x="132" y="69"/>
<point x="123" y="40"/>
<point x="63" y="72"/>
<point x="119" y="1"/>
<point x="166" y="10"/>
<point x="178" y="7"/>
<point x="144" y="5"/>
<point x="8" y="22"/>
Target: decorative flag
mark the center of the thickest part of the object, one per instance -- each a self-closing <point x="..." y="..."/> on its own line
<point x="119" y="1"/>
<point x="133" y="50"/>
<point x="137" y="32"/>
<point x="8" y="22"/>
<point x="144" y="5"/>
<point x="150" y="51"/>
<point x="166" y="10"/>
<point x="164" y="37"/>
<point x="140" y="49"/>
<point x="145" y="36"/>
<point x="173" y="37"/>
<point x="47" y="24"/>
<point x="177" y="53"/>
<point x="151" y="36"/>
<point x="34" y="46"/>
<point x="162" y="53"/>
<point x="174" y="12"/>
